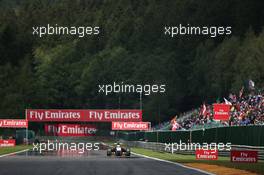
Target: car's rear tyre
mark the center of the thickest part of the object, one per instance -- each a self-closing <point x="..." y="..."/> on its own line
<point x="128" y="154"/>
<point x="109" y="152"/>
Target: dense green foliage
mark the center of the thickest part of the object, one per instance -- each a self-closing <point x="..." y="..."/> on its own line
<point x="64" y="71"/>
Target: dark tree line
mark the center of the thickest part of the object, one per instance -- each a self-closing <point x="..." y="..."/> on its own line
<point x="64" y="71"/>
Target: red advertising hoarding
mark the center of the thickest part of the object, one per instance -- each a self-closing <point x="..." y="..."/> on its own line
<point x="130" y="125"/>
<point x="7" y="143"/>
<point x="221" y="111"/>
<point x="70" y="129"/>
<point x="50" y="115"/>
<point x="13" y="123"/>
<point x="244" y="156"/>
<point x="202" y="154"/>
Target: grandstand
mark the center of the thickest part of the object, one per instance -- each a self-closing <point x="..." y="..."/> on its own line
<point x="245" y="110"/>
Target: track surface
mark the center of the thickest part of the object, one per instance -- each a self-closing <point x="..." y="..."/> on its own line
<point x="89" y="163"/>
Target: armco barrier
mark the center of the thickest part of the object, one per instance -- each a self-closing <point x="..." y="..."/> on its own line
<point x="236" y="135"/>
<point x="160" y="147"/>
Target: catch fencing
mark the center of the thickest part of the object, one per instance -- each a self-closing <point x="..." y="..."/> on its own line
<point x="236" y="135"/>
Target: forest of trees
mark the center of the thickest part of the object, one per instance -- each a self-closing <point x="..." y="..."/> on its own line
<point x="64" y="71"/>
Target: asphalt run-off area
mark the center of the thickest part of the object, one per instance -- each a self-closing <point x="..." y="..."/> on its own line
<point x="88" y="163"/>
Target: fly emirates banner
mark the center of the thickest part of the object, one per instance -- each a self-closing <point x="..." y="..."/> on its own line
<point x="89" y="115"/>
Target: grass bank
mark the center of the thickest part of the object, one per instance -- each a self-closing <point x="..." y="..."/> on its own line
<point x="187" y="159"/>
<point x="7" y="150"/>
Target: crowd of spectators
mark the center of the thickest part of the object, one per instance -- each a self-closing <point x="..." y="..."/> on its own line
<point x="247" y="109"/>
<point x="244" y="110"/>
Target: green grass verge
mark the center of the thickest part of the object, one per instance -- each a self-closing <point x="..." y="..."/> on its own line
<point x="7" y="150"/>
<point x="222" y="161"/>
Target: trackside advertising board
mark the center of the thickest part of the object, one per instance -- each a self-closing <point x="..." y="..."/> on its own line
<point x="130" y="125"/>
<point x="202" y="154"/>
<point x="7" y="143"/>
<point x="244" y="156"/>
<point x="65" y="130"/>
<point x="75" y="115"/>
<point x="13" y="123"/>
<point x="221" y="111"/>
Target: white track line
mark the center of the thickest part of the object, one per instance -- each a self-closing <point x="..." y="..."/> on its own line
<point x="4" y="155"/>
<point x="161" y="160"/>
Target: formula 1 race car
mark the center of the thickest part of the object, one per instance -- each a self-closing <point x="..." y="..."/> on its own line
<point x="118" y="150"/>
